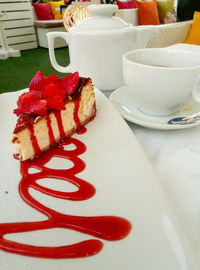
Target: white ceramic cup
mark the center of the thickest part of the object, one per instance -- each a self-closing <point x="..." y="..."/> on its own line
<point x="160" y="81"/>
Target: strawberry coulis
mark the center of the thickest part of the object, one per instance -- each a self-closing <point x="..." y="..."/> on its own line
<point x="60" y="125"/>
<point x="50" y="131"/>
<point x="34" y="141"/>
<point x="109" y="228"/>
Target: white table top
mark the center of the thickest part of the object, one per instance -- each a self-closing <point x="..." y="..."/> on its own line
<point x="175" y="155"/>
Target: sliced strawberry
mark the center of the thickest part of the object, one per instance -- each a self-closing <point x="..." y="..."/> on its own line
<point x="70" y="83"/>
<point x="27" y="98"/>
<point x="55" y="103"/>
<point x="20" y="110"/>
<point x="52" y="90"/>
<point x="51" y="79"/>
<point x="38" y="107"/>
<point x="35" y="84"/>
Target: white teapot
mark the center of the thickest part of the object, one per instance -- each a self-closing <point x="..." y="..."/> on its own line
<point x="97" y="44"/>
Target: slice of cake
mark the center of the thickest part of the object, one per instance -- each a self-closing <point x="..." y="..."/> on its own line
<point x="52" y="109"/>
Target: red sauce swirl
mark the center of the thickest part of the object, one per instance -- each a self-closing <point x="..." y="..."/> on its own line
<point x="109" y="228"/>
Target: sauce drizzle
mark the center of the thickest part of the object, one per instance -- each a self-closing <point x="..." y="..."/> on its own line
<point x="50" y="130"/>
<point x="34" y="141"/>
<point x="60" y="125"/>
<point x="109" y="228"/>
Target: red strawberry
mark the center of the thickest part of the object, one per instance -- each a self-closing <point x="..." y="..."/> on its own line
<point x="20" y="110"/>
<point x="51" y="79"/>
<point x="27" y="98"/>
<point x="36" y="82"/>
<point x="52" y="90"/>
<point x="38" y="107"/>
<point x="55" y="103"/>
<point x="70" y="83"/>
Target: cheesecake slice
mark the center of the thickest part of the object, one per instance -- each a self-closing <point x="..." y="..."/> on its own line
<point x="51" y="110"/>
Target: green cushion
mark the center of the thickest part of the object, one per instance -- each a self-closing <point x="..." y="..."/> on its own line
<point x="164" y="6"/>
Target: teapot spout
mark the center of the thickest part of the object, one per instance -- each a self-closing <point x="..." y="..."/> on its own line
<point x="144" y="34"/>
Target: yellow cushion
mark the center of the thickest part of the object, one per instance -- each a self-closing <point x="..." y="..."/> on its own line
<point x="164" y="6"/>
<point x="194" y="34"/>
<point x="55" y="9"/>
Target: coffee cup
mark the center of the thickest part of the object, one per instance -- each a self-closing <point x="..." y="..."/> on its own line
<point x="161" y="80"/>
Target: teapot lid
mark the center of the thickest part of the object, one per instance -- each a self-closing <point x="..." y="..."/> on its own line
<point x="102" y="19"/>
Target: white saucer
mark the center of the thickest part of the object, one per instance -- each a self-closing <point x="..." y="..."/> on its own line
<point x="125" y="106"/>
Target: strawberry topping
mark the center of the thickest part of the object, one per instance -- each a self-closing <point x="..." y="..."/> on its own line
<point x="38" y="107"/>
<point x="55" y="103"/>
<point x="27" y="98"/>
<point x="46" y="94"/>
<point x="36" y="82"/>
<point x="51" y="79"/>
<point x="52" y="90"/>
<point x="70" y="83"/>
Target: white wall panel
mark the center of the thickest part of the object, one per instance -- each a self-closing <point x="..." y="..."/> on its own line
<point x="18" y="24"/>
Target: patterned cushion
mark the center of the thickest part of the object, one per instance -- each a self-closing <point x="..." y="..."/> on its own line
<point x="55" y="9"/>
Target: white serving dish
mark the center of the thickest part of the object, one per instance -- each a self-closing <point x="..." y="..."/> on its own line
<point x="126" y="185"/>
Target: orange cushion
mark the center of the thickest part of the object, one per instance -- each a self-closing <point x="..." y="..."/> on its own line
<point x="194" y="33"/>
<point x="148" y="12"/>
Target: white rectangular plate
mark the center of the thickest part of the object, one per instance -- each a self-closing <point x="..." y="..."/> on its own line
<point x="126" y="186"/>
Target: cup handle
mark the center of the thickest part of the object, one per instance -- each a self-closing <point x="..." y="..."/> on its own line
<point x="51" y="37"/>
<point x="196" y="90"/>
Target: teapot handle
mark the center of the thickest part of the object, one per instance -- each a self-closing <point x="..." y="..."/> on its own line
<point x="51" y="37"/>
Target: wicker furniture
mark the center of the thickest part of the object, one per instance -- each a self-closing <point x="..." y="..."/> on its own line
<point x="75" y="13"/>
